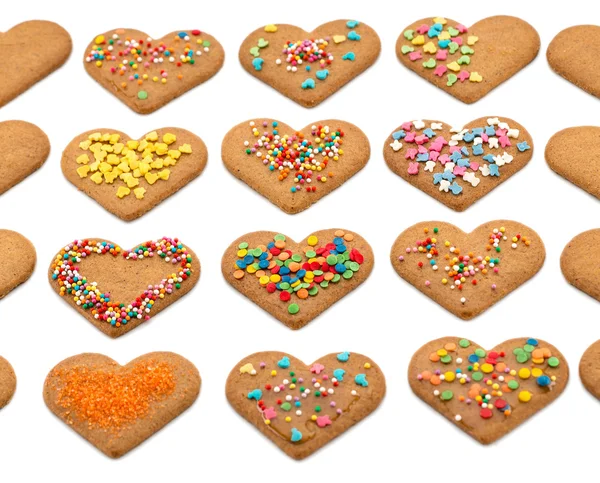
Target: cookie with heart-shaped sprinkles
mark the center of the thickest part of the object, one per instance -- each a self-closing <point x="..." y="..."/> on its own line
<point x="302" y="407"/>
<point x="117" y="289"/>
<point x="578" y="263"/>
<point x="8" y="382"/>
<point x="485" y="393"/>
<point x="117" y="407"/>
<point x="17" y="258"/>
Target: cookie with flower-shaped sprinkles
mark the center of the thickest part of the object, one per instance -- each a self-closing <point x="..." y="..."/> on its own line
<point x="17" y="258"/>
<point x="302" y="407"/>
<point x="466" y="273"/>
<point x="296" y="282"/>
<point x="8" y="382"/>
<point x="147" y="73"/>
<point x="294" y="169"/>
<point x="485" y="393"/>
<point x="118" y="289"/>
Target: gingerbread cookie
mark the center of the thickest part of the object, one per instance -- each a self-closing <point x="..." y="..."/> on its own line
<point x="458" y="165"/>
<point x="148" y="73"/>
<point x="466" y="273"/>
<point x="129" y="177"/>
<point x="589" y="369"/>
<point x="579" y="264"/>
<point x="294" y="169"/>
<point x="118" y="407"/>
<point x="17" y="258"/>
<point x="303" y="407"/>
<point x="29" y="52"/>
<point x="8" y="382"/>
<point x="468" y="63"/>
<point x="488" y="393"/>
<point x="308" y="67"/>
<point x="117" y="289"/>
<point x="292" y="281"/>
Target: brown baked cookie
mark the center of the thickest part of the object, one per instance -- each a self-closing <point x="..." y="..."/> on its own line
<point x="468" y="63"/>
<point x="589" y="369"/>
<point x="485" y="393"/>
<point x="148" y="73"/>
<point x="116" y="407"/>
<point x="578" y="263"/>
<point x="303" y="407"/>
<point x="8" y="382"/>
<point x="129" y="177"/>
<point x="308" y="67"/>
<point x="17" y="258"/>
<point x="458" y="165"/>
<point x="294" y="169"/>
<point x="117" y="289"/>
<point x="29" y="52"/>
<point x="466" y="273"/>
<point x="292" y="281"/>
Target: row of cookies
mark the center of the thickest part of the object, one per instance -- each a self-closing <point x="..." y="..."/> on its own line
<point x="147" y="73"/>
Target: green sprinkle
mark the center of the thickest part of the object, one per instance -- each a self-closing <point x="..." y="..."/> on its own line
<point x="513" y="384"/>
<point x="297" y="258"/>
<point x="279" y="237"/>
<point x="286" y="406"/>
<point x="522" y="357"/>
<point x="447" y="359"/>
<point x="480" y="353"/>
<point x="293" y="309"/>
<point x="528" y="348"/>
<point x="464" y="343"/>
<point x="447" y="395"/>
<point x="348" y="274"/>
<point x="243" y="246"/>
<point x="553" y="362"/>
<point x="331" y="260"/>
<point x="311" y="254"/>
<point x="477" y="376"/>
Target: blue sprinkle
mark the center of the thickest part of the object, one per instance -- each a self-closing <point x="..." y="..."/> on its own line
<point x="448" y="175"/>
<point x="423" y="157"/>
<point x="543" y="380"/>
<point x="241" y="264"/>
<point x="308" y="84"/>
<point x="248" y="259"/>
<point x="430" y="133"/>
<point x="296" y="435"/>
<point x="343" y="357"/>
<point x="307" y="68"/>
<point x="352" y="35"/>
<point x="257" y="62"/>
<point x="322" y="74"/>
<point x="256" y="394"/>
<point x="351" y="24"/>
<point x="456" y="188"/>
<point x="340" y="248"/>
<point x="339" y="374"/>
<point x="437" y="177"/>
<point x="340" y="268"/>
<point x="361" y="380"/>
<point x="338" y="241"/>
<point x="478" y="131"/>
<point x="301" y="273"/>
<point x="455" y="156"/>
<point x="494" y="170"/>
<point x="478" y="150"/>
<point x="433" y="32"/>
<point x="349" y="56"/>
<point x="443" y="44"/>
<point x="182" y="35"/>
<point x="399" y="135"/>
<point x="468" y="137"/>
<point x="490" y="131"/>
<point x="284" y="363"/>
<point x="489" y="158"/>
<point x="464" y="150"/>
<point x="533" y="342"/>
<point x="464" y="162"/>
<point x="523" y="146"/>
<point x="263" y="264"/>
<point x="473" y="358"/>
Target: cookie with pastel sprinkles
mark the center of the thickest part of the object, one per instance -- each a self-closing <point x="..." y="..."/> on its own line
<point x="17" y="259"/>
<point x="8" y="382"/>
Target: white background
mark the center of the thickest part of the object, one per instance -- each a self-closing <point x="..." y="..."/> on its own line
<point x="215" y="327"/>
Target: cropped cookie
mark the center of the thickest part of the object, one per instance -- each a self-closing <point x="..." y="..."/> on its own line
<point x="17" y="258"/>
<point x="303" y="407"/>
<point x="116" y="289"/>
<point x="8" y="382"/>
<point x="487" y="393"/>
<point x="579" y="262"/>
<point x="148" y="73"/>
<point x="294" y="169"/>
<point x="468" y="63"/>
<point x="589" y="369"/>
<point x="292" y="281"/>
<point x="129" y="177"/>
<point x="458" y="165"/>
<point x="466" y="273"/>
<point x="29" y="52"/>
<point x="118" y="407"/>
<point x="308" y="67"/>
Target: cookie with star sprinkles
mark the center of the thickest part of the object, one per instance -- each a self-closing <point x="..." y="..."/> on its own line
<point x="466" y="273"/>
<point x="17" y="258"/>
<point x="118" y="289"/>
<point x="8" y="382"/>
<point x="147" y="73"/>
<point x="302" y="407"/>
<point x="485" y="393"/>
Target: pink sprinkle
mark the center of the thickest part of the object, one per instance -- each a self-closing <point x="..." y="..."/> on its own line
<point x="422" y="149"/>
<point x="401" y="258"/>
<point x="427" y="283"/>
<point x="463" y="75"/>
<point x="485" y="137"/>
<point x="415" y="56"/>
<point x="317" y="368"/>
<point x="454" y="149"/>
<point x="413" y="168"/>
<point x="493" y="286"/>
<point x="444" y="158"/>
<point x="424" y="28"/>
<point x="458" y="40"/>
<point x="410" y="153"/>
<point x="474" y="166"/>
<point x="433" y="155"/>
<point x="407" y="126"/>
<point x="323" y="421"/>
<point x="270" y="413"/>
<point x="410" y="137"/>
<point x="461" y="28"/>
<point x="441" y="55"/>
<point x="440" y="70"/>
<point x="408" y="250"/>
<point x="459" y="170"/>
<point x="504" y="141"/>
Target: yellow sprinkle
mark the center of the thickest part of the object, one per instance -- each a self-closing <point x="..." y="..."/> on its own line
<point x="524" y="373"/>
<point x="338" y="39"/>
<point x="453" y="66"/>
<point x="139" y="193"/>
<point x="271" y="28"/>
<point x="475" y="77"/>
<point x="524" y="396"/>
<point x="418" y="40"/>
<point x="82" y="171"/>
<point x="96" y="177"/>
<point x="312" y="240"/>
<point x="472" y="39"/>
<point x="440" y="20"/>
<point x="123" y="191"/>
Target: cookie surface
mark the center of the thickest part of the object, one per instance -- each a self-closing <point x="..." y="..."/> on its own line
<point x="129" y="177"/>
<point x="39" y="45"/>
<point x="117" y="289"/>
<point x="302" y="407"/>
<point x="296" y="282"/>
<point x="118" y="407"/>
<point x="308" y="67"/>
<point x="467" y="63"/>
<point x="589" y="369"/>
<point x="451" y="375"/>
<point x="579" y="262"/>
<point x="458" y="165"/>
<point x="148" y="73"/>
<point x="466" y="273"/>
<point x="283" y="164"/>
<point x="18" y="258"/>
<point x="8" y="382"/>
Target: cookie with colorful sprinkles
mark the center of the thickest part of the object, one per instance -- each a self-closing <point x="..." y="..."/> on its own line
<point x="8" y="382"/>
<point x="17" y="258"/>
<point x="294" y="169"/>
<point x="308" y="67"/>
<point x="296" y="282"/>
<point x="579" y="262"/>
<point x="118" y="289"/>
<point x="302" y="407"/>
<point x="485" y="393"/>
<point x="467" y="63"/>
<point x="146" y="73"/>
<point x="466" y="273"/>
<point x="458" y="165"/>
<point x="116" y="407"/>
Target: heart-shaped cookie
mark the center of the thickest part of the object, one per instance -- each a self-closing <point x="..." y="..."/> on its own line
<point x="589" y="369"/>
<point x="129" y="177"/>
<point x="117" y="289"/>
<point x="488" y="393"/>
<point x="117" y="407"/>
<point x="303" y="407"/>
<point x="17" y="258"/>
<point x="29" y="52"/>
<point x="8" y="382"/>
<point x="292" y="281"/>
<point x="468" y="63"/>
<point x="466" y="273"/>
<point x="458" y="165"/>
<point x="294" y="169"/>
<point x="148" y="73"/>
<point x="579" y="264"/>
<point x="308" y="67"/>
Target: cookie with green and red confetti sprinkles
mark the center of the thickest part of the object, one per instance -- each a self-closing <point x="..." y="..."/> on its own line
<point x="466" y="273"/>
<point x="118" y="289"/>
<point x="147" y="73"/>
<point x="296" y="282"/>
<point x="488" y="393"/>
<point x="302" y="407"/>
